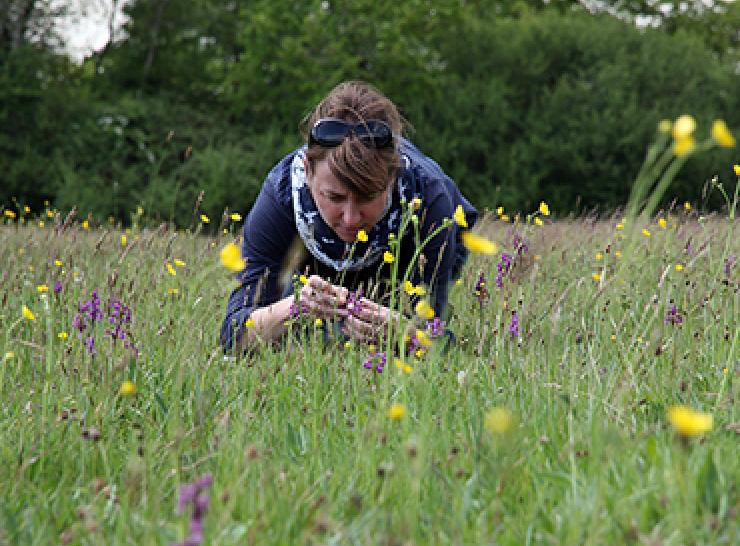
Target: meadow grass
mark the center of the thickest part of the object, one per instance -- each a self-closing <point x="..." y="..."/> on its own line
<point x="298" y="437"/>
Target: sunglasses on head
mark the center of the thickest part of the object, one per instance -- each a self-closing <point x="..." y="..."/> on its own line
<point x="330" y="132"/>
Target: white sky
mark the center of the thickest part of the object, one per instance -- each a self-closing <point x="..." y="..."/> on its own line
<point x="85" y="29"/>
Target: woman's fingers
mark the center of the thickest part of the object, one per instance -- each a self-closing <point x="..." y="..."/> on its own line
<point x="373" y="312"/>
<point x="361" y="330"/>
<point x="321" y="298"/>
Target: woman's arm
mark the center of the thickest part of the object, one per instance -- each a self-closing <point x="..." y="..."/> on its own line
<point x="269" y="323"/>
<point x="318" y="298"/>
<point x="268" y="232"/>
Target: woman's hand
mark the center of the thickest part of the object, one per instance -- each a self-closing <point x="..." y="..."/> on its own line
<point x="367" y="322"/>
<point x="323" y="299"/>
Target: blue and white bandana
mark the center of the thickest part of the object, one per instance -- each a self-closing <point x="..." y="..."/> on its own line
<point x="324" y="244"/>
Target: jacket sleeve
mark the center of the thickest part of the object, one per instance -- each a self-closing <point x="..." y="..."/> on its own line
<point x="444" y="254"/>
<point x="268" y="232"/>
<point x="439" y="253"/>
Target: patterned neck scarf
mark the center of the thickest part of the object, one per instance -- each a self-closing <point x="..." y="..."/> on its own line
<point x="320" y="239"/>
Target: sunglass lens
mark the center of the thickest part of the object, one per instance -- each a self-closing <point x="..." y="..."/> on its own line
<point x="330" y="132"/>
<point x="375" y="133"/>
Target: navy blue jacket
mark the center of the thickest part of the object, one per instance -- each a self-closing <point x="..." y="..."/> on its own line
<point x="270" y="235"/>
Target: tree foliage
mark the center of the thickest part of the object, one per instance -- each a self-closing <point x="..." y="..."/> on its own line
<point x="518" y="101"/>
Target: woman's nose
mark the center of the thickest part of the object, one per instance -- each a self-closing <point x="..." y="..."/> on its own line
<point x="351" y="215"/>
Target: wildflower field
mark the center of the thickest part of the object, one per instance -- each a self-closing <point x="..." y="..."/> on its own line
<point x="590" y="396"/>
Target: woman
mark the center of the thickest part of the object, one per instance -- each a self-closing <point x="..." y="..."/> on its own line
<point x="354" y="178"/>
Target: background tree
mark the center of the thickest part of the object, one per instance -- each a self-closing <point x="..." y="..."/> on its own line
<point x="518" y="101"/>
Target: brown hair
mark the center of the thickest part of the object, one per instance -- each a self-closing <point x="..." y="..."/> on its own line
<point x="363" y="170"/>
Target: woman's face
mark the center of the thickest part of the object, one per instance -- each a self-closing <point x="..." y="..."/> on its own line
<point x="342" y="210"/>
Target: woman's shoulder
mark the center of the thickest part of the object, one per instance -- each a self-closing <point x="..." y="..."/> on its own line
<point x="432" y="183"/>
<point x="429" y="180"/>
<point x="421" y="163"/>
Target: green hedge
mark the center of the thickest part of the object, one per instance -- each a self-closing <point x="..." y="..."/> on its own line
<point x="544" y="106"/>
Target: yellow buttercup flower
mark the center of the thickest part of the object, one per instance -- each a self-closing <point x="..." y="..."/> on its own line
<point x="318" y="323"/>
<point x="424" y="310"/>
<point x="128" y="388"/>
<point x="684" y="146"/>
<point x="538" y="221"/>
<point x="620" y="226"/>
<point x="646" y="232"/>
<point x="686" y="205"/>
<point x="10" y="213"/>
<point x="599" y="256"/>
<point x="500" y="210"/>
<point x="26" y="209"/>
<point x="401" y="365"/>
<point x="388" y="257"/>
<point x="204" y="219"/>
<point x="235" y="217"/>
<point x="416" y="203"/>
<point x="173" y="291"/>
<point x="249" y="323"/>
<point x="362" y="236"/>
<point x="477" y="244"/>
<point x="179" y="262"/>
<point x="50" y="213"/>
<point x="303" y="280"/>
<point x="505" y="218"/>
<point x="459" y="217"/>
<point x="498" y="420"/>
<point x="42" y="288"/>
<point x="85" y="224"/>
<point x="171" y="269"/>
<point x="412" y="290"/>
<point x="62" y="335"/>
<point x="662" y="223"/>
<point x="736" y="168"/>
<point x="124" y="240"/>
<point x="422" y="338"/>
<point x="396" y="412"/>
<point x="688" y="422"/>
<point x="596" y="277"/>
<point x="28" y="314"/>
<point x="231" y="258"/>
<point x="684" y="127"/>
<point x="41" y="223"/>
<point x="679" y="268"/>
<point x="544" y="209"/>
<point x="722" y="135"/>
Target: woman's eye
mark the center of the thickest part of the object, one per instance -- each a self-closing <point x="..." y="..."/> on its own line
<point x="335" y="198"/>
